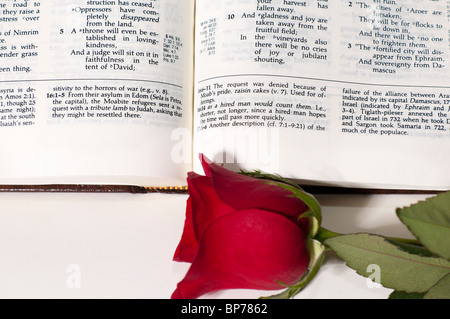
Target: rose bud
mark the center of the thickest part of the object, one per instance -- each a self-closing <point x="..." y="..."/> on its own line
<point x="240" y="232"/>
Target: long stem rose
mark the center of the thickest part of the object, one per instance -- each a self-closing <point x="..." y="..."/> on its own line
<point x="241" y="232"/>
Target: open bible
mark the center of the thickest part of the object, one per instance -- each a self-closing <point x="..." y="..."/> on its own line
<point x="345" y="93"/>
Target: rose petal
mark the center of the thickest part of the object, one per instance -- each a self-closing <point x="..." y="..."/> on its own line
<point x="188" y="245"/>
<point x="252" y="249"/>
<point x="244" y="192"/>
<point x="205" y="207"/>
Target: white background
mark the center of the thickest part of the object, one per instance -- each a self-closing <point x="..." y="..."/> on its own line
<point x="123" y="245"/>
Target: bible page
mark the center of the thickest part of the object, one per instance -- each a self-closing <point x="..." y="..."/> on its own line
<point x="342" y="93"/>
<point x="93" y="91"/>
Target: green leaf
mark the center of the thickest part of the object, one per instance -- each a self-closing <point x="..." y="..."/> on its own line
<point x="441" y="290"/>
<point x="412" y="249"/>
<point x="317" y="256"/>
<point x="406" y="295"/>
<point x="429" y="221"/>
<point x="398" y="269"/>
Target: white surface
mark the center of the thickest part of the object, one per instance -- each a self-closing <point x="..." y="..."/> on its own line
<point x="123" y="245"/>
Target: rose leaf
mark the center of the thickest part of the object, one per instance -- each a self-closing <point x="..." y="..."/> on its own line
<point x="441" y="290"/>
<point x="398" y="268"/>
<point x="429" y="221"/>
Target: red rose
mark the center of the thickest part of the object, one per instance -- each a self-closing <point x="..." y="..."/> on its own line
<point x="240" y="232"/>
